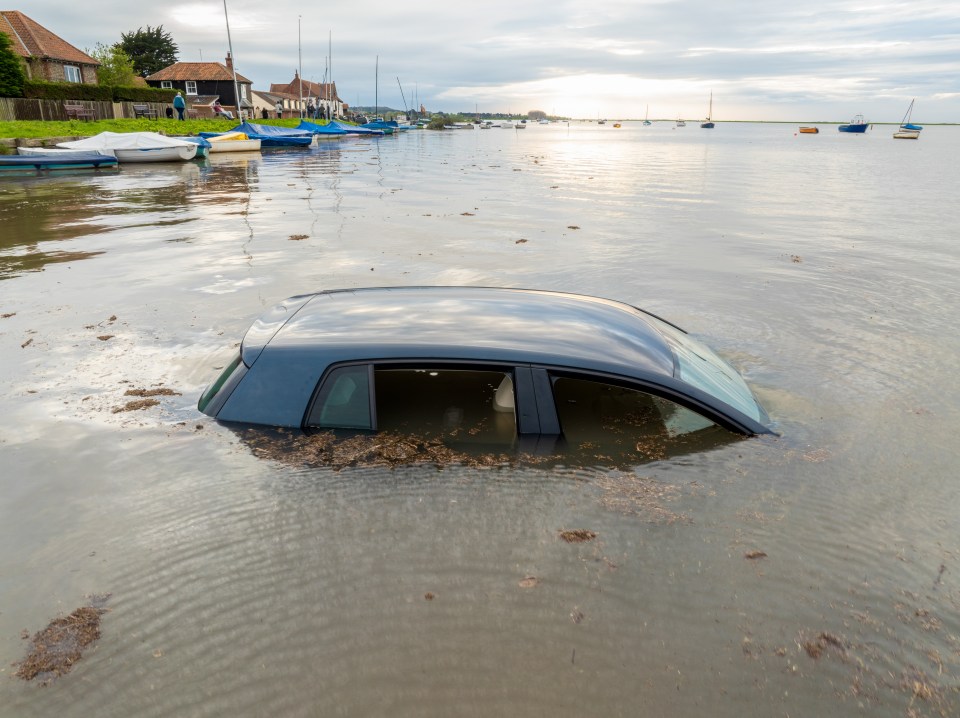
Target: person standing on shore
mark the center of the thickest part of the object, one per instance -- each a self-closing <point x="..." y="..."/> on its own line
<point x="279" y="109"/>
<point x="179" y="104"/>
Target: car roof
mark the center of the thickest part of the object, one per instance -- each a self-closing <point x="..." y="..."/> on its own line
<point x="466" y="323"/>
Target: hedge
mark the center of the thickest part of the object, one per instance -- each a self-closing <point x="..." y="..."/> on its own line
<point x="103" y="93"/>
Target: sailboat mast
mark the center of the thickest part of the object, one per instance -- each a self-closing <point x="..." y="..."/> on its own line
<point x="233" y="63"/>
<point x="300" y="63"/>
<point x="402" y="96"/>
<point x="376" y="82"/>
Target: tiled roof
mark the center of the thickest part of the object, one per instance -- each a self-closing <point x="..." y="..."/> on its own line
<point x="196" y="72"/>
<point x="310" y="89"/>
<point x="30" y="39"/>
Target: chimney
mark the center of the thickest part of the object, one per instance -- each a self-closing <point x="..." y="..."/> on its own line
<point x="229" y="62"/>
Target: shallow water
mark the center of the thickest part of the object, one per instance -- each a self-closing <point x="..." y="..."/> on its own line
<point x="823" y="267"/>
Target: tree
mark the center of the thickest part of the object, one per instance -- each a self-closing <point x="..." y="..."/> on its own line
<point x="151" y="50"/>
<point x="537" y="115"/>
<point x="116" y="67"/>
<point x="11" y="70"/>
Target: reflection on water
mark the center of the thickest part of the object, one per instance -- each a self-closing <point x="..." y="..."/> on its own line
<point x="810" y="574"/>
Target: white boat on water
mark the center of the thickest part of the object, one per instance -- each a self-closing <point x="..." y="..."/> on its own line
<point x="136" y="147"/>
<point x="233" y="142"/>
<point x="157" y="154"/>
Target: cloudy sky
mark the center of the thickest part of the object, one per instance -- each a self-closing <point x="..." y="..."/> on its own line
<point x="774" y="60"/>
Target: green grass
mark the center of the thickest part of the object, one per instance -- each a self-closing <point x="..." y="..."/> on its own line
<point x="72" y="128"/>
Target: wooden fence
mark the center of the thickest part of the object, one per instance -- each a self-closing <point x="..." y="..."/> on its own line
<point x="19" y="108"/>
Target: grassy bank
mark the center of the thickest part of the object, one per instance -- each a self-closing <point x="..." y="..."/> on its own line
<point x="78" y="128"/>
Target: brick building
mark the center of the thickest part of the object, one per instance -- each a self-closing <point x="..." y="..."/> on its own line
<point x="46" y="56"/>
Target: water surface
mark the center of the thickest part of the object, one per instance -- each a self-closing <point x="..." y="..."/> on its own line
<point x="823" y="267"/>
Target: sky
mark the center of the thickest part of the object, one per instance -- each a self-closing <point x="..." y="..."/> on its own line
<point x="774" y="60"/>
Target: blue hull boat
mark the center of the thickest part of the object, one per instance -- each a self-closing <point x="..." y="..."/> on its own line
<point x="857" y="125"/>
<point x="37" y="163"/>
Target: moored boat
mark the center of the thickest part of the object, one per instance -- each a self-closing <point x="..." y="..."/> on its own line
<point x="354" y="129"/>
<point x="271" y="135"/>
<point x="136" y="146"/>
<point x="54" y="160"/>
<point x="203" y="146"/>
<point x="327" y="131"/>
<point x="908" y="130"/>
<point x="708" y="123"/>
<point x="809" y="130"/>
<point x="232" y="142"/>
<point x="903" y="134"/>
<point x="857" y="125"/>
<point x="58" y="152"/>
<point x="158" y="154"/>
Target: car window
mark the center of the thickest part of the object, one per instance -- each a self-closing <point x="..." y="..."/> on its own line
<point x="466" y="405"/>
<point x="220" y="381"/>
<point x="344" y="400"/>
<point x="594" y="411"/>
<point x="700" y="366"/>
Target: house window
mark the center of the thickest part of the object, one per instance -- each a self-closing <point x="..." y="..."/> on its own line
<point x="71" y="73"/>
<point x="166" y="84"/>
<point x="191" y="87"/>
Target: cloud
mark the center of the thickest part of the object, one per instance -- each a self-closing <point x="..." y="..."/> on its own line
<point x="774" y="60"/>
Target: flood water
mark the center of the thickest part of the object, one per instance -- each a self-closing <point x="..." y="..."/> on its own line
<point x="823" y="267"/>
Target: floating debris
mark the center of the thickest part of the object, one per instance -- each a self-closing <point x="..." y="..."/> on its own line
<point x="55" y="649"/>
<point x="297" y="237"/>
<point x="163" y="391"/>
<point x="135" y="405"/>
<point x="529" y="582"/>
<point x="384" y="449"/>
<point x="429" y="596"/>
<point x="521" y="241"/>
<point x="8" y="315"/>
<point x="638" y="495"/>
<point x="466" y="214"/>
<point x="106" y="337"/>
<point x="576" y="615"/>
<point x="572" y="226"/>
<point x="754" y="555"/>
<point x="578" y="535"/>
<point x="815" y="647"/>
<point x="26" y="343"/>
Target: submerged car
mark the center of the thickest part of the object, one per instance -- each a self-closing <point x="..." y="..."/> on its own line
<point x="489" y="365"/>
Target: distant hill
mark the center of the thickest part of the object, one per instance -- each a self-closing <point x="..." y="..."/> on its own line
<point x="369" y="109"/>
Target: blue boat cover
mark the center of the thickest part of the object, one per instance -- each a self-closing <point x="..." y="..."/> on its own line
<point x="195" y="140"/>
<point x="353" y="129"/>
<point x="270" y="136"/>
<point x="320" y="129"/>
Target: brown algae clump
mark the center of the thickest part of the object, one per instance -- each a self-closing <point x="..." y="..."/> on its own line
<point x="55" y="649"/>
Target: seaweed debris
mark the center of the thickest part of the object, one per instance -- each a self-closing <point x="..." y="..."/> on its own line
<point x="55" y="649"/>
